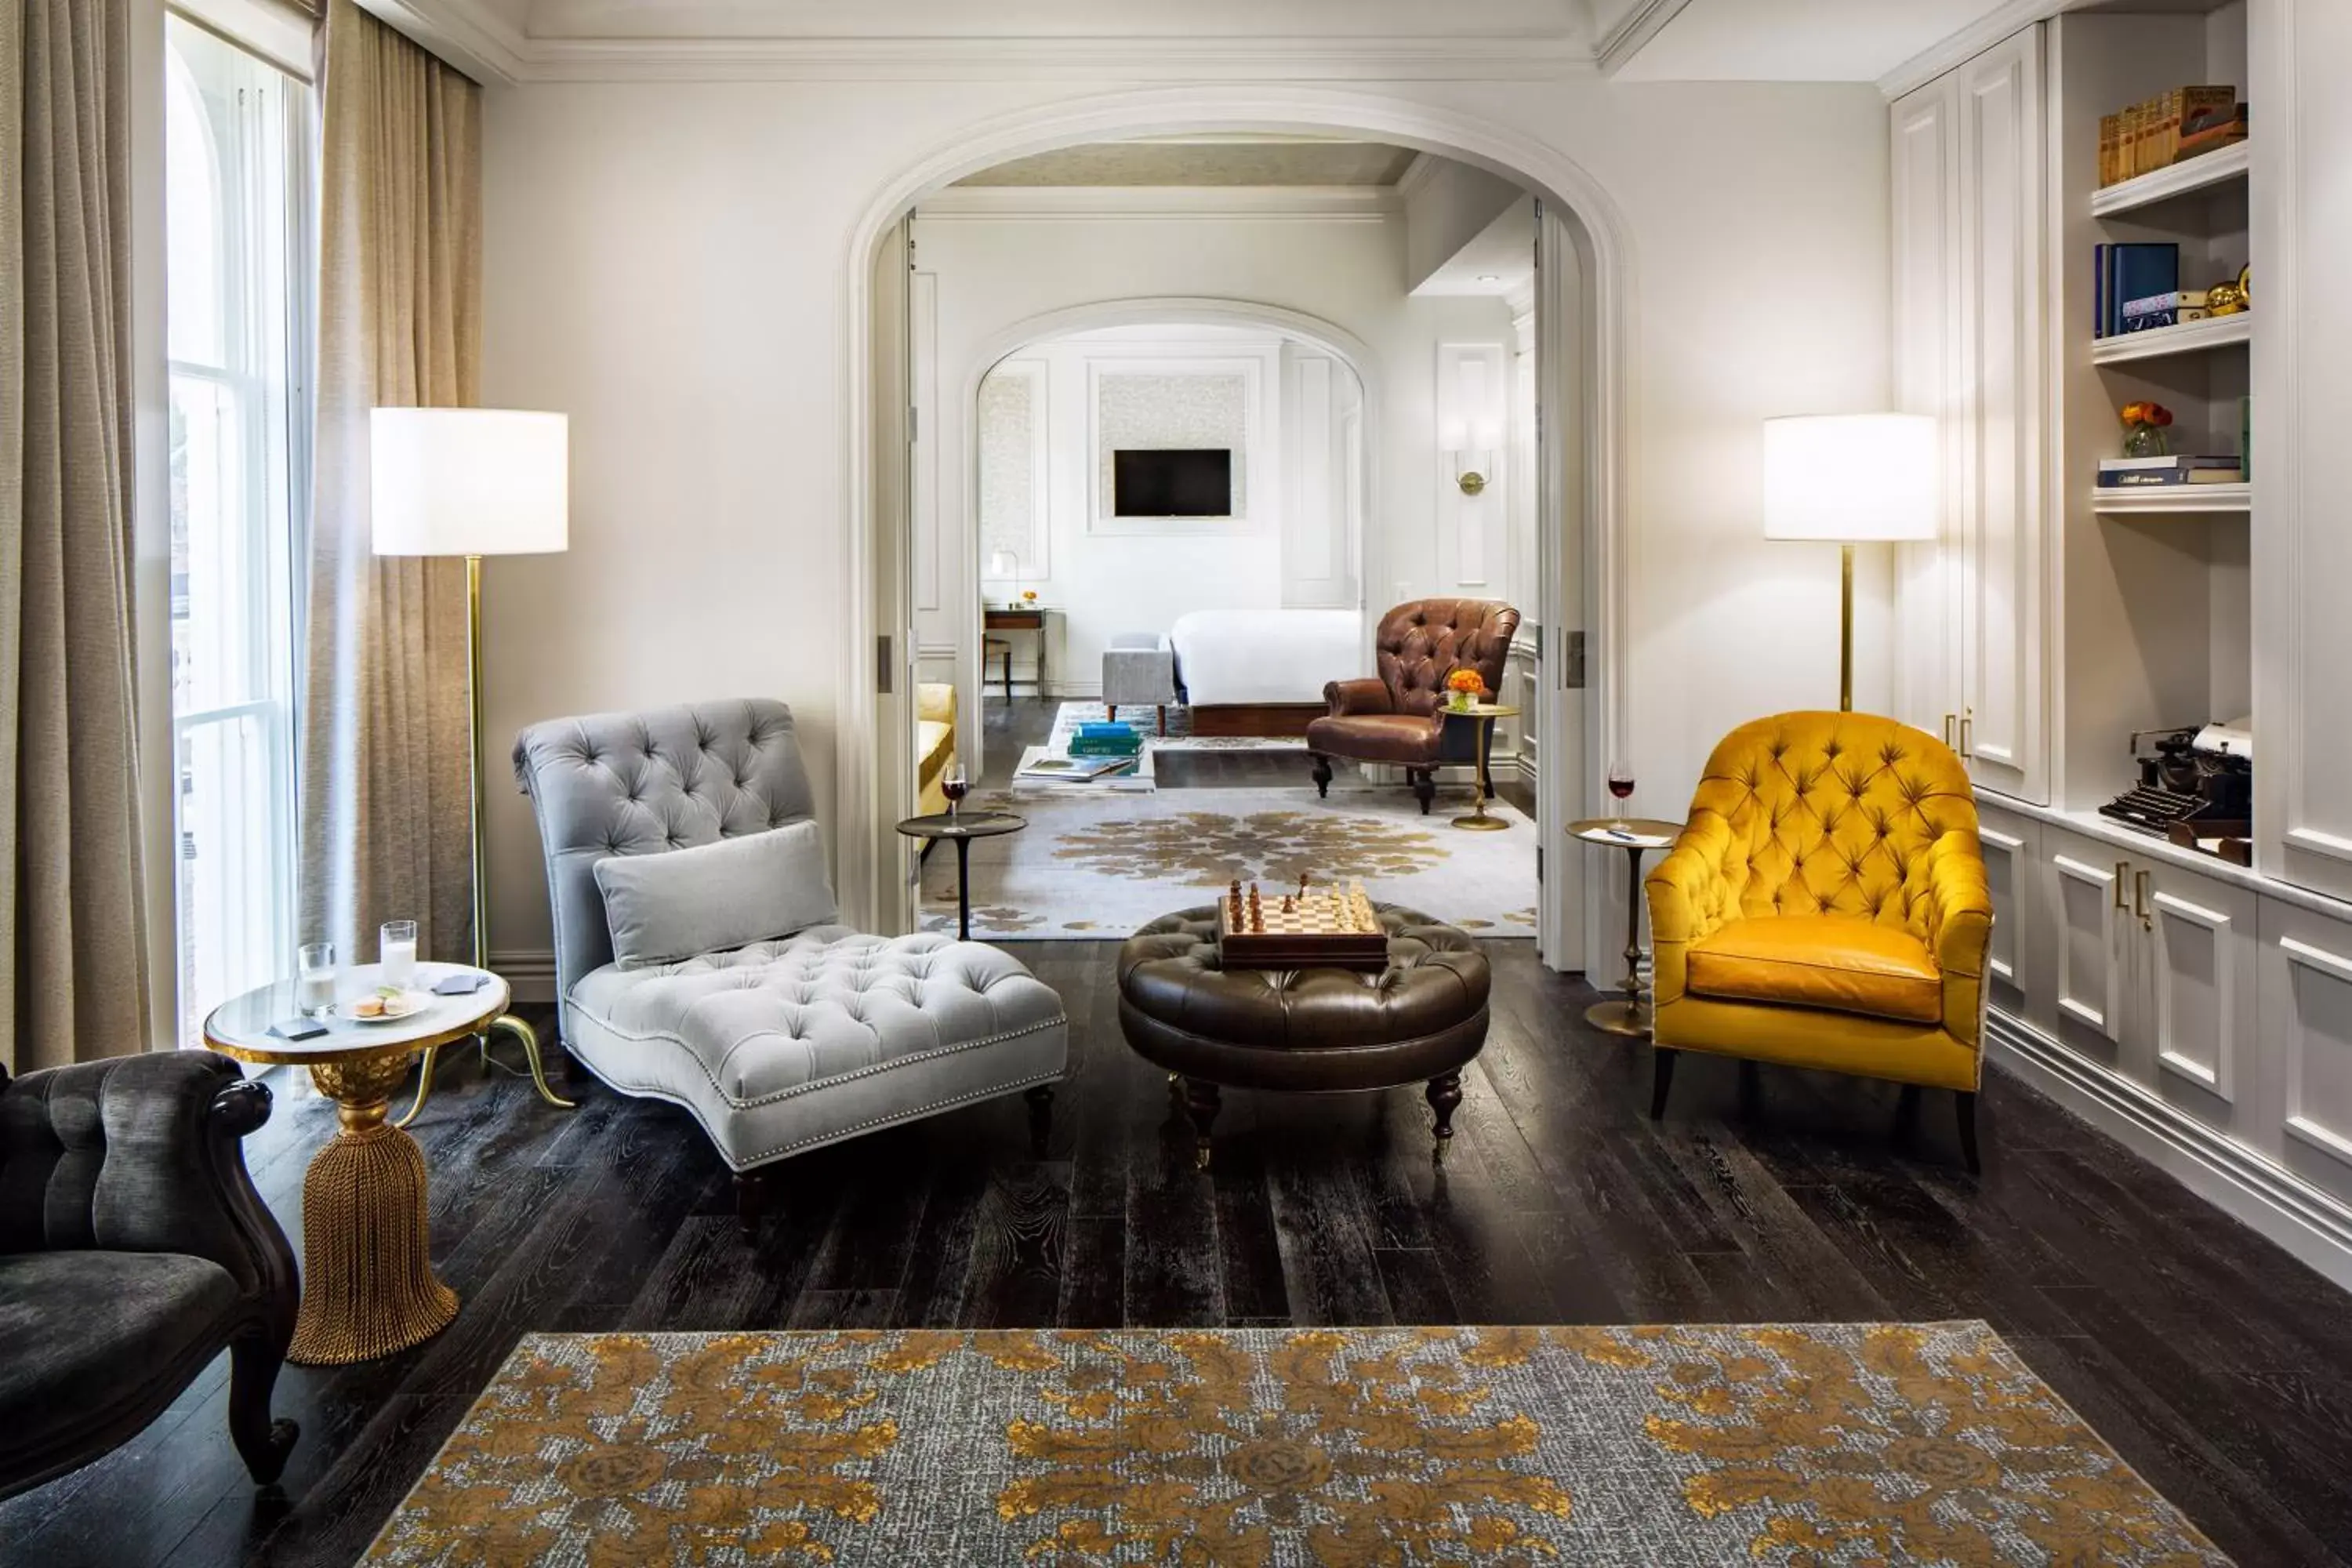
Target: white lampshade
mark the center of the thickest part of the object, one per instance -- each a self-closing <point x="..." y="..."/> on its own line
<point x="1001" y="564"/>
<point x="468" y="481"/>
<point x="1850" y="478"/>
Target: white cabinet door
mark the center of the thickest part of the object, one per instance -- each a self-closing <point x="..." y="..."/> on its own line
<point x="2010" y="852"/>
<point x="2086" y="892"/>
<point x="2306" y="1091"/>
<point x="1925" y="164"/>
<point x="2000" y="395"/>
<point x="2200" y="942"/>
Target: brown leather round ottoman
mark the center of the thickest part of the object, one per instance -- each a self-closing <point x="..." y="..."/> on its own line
<point x="1305" y="1030"/>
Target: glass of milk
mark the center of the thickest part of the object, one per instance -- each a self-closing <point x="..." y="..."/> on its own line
<point x="398" y="948"/>
<point x="314" y="978"/>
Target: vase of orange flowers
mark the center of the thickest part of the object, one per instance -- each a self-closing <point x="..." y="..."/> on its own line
<point x="2143" y="427"/>
<point x="1463" y="687"/>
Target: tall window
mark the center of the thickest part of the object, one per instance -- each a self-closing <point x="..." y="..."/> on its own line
<point x="238" y="192"/>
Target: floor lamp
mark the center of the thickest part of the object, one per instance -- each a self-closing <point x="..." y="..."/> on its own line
<point x="471" y="482"/>
<point x="1850" y="479"/>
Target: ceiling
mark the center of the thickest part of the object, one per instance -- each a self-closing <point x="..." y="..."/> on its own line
<point x="1208" y="161"/>
<point x="1634" y="40"/>
<point x="1498" y="263"/>
<point x="1797" y="40"/>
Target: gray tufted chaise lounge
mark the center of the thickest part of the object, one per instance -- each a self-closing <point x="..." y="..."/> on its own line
<point x="781" y="1047"/>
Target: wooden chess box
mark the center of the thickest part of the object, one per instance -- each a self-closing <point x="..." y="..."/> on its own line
<point x="1292" y="940"/>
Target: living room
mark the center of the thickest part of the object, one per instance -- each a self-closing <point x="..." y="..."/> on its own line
<point x="492" y="491"/>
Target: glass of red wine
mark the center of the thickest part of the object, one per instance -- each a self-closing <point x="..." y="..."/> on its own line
<point x="955" y="783"/>
<point x="1620" y="785"/>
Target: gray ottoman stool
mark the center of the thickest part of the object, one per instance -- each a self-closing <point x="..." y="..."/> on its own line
<point x="1138" y="671"/>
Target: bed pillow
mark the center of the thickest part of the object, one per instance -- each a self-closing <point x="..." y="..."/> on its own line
<point x="714" y="898"/>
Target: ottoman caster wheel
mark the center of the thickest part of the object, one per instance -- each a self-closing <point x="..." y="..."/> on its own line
<point x="1202" y="1100"/>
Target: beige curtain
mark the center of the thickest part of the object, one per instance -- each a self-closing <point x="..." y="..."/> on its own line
<point x="73" y="965"/>
<point x="386" y="789"/>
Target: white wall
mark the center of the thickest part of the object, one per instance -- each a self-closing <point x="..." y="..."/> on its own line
<point x="668" y="263"/>
<point x="1107" y="574"/>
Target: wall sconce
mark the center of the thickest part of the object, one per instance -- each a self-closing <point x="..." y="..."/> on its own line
<point x="1470" y="423"/>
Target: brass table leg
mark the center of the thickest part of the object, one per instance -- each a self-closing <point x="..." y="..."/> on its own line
<point x="1632" y="1015"/>
<point x="368" y="1287"/>
<point x="1478" y="821"/>
<point x="521" y="1031"/>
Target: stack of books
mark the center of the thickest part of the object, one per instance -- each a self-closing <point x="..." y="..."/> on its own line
<point x="2126" y="473"/>
<point x="1106" y="740"/>
<point x="2186" y="122"/>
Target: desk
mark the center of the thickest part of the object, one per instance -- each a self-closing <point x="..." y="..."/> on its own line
<point x="1030" y="618"/>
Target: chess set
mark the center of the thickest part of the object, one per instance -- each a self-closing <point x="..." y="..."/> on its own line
<point x="1310" y="929"/>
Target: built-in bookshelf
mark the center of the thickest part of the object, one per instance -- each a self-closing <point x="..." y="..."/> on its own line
<point x="2156" y="598"/>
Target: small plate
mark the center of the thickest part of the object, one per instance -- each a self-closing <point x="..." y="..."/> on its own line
<point x="410" y="1003"/>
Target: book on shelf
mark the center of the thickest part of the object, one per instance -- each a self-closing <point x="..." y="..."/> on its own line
<point x="2134" y="473"/>
<point x="2176" y="124"/>
<point x="2132" y="272"/>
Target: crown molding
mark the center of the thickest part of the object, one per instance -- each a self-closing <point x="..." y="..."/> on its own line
<point x="466" y="32"/>
<point x="1417" y="173"/>
<point x="1080" y="203"/>
<point x="1965" y="44"/>
<point x="475" y="39"/>
<point x="1641" y="23"/>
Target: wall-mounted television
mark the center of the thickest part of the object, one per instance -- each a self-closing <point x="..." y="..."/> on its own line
<point x="1149" y="483"/>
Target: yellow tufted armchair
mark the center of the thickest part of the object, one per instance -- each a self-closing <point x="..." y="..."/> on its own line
<point x="1826" y="907"/>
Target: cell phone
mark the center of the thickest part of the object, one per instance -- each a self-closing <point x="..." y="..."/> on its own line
<point x="464" y="984"/>
<point x="298" y="1029"/>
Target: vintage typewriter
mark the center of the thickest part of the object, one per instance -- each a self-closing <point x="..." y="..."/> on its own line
<point x="2198" y="776"/>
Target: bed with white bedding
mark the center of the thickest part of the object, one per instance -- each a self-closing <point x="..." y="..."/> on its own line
<point x="1262" y="672"/>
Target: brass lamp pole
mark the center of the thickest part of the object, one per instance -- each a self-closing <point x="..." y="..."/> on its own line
<point x="1851" y="478"/>
<point x="472" y="482"/>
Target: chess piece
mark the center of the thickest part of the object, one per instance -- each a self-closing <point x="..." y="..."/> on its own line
<point x="1256" y="916"/>
<point x="1288" y="904"/>
<point x="1233" y="903"/>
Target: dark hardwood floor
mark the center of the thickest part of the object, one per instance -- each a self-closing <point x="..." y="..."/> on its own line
<point x="2214" y="1363"/>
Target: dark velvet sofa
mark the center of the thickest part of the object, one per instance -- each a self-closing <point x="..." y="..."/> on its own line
<point x="133" y="1251"/>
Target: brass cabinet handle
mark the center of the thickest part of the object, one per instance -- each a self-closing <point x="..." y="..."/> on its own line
<point x="2123" y="875"/>
<point x="1968" y="734"/>
<point x="2139" y="901"/>
<point x="1950" y="720"/>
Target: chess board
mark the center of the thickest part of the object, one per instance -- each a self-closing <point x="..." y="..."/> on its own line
<point x="1326" y="928"/>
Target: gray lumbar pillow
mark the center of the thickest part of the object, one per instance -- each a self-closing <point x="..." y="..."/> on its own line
<point x="715" y="896"/>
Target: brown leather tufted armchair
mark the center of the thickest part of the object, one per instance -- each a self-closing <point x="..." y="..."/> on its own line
<point x="1394" y="717"/>
<point x="1827" y="907"/>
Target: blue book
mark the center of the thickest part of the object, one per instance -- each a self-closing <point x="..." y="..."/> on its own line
<point x="2139" y="270"/>
<point x="1113" y="730"/>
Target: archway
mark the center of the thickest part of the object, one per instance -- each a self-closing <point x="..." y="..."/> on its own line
<point x="1584" y="304"/>
<point x="1186" y="310"/>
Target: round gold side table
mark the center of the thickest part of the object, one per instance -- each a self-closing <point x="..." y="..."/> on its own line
<point x="1482" y="714"/>
<point x="1635" y="836"/>
<point x="368" y="1286"/>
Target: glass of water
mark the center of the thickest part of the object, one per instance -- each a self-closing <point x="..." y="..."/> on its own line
<point x="314" y="978"/>
<point x="397" y="948"/>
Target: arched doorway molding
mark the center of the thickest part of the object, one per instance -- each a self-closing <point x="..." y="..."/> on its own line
<point x="1589" y="393"/>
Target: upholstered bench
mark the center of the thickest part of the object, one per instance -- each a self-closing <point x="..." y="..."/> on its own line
<point x="1312" y="1031"/>
<point x="1138" y="670"/>
<point x="776" y="1046"/>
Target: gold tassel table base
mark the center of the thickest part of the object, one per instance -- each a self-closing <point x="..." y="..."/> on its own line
<point x="368" y="1287"/>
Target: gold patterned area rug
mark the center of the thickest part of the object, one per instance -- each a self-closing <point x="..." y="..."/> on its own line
<point x="1096" y="868"/>
<point x="1850" y="1444"/>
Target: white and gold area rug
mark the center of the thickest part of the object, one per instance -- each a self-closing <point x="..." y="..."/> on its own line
<point x="1096" y="866"/>
<point x="1666" y="1447"/>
